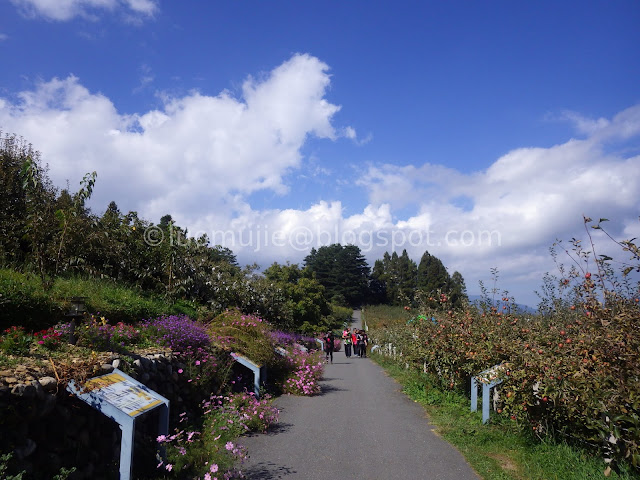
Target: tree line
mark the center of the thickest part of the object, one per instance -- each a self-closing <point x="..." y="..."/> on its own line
<point x="51" y="232"/>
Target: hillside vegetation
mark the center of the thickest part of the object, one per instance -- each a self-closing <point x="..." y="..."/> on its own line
<point x="571" y="372"/>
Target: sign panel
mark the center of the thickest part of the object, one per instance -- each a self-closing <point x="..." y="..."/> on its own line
<point x="122" y="398"/>
<point x="125" y="395"/>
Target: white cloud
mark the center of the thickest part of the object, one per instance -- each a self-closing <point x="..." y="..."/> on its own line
<point x="199" y="158"/>
<point x="3" y="36"/>
<point x="350" y="133"/>
<point x="527" y="199"/>
<point x="63" y="10"/>
<point x="582" y="124"/>
<point x="624" y="125"/>
<point x="192" y="154"/>
<point x="146" y="78"/>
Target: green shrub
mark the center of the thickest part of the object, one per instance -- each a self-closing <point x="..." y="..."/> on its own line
<point x="118" y="303"/>
<point x="23" y="301"/>
<point x="574" y="371"/>
<point x="243" y="334"/>
<point x="339" y="316"/>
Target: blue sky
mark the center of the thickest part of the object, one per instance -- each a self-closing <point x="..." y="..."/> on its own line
<point x="341" y="120"/>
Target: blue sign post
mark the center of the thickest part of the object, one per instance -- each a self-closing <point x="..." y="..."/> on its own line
<point x="123" y="399"/>
<point x="259" y="372"/>
<point x="489" y="379"/>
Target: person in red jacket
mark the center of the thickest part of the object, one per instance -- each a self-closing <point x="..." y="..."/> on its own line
<point x="354" y="341"/>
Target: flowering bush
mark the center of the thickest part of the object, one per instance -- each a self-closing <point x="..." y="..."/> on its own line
<point x="123" y="334"/>
<point x="15" y="341"/>
<point x="177" y="332"/>
<point x="247" y="335"/>
<point x="253" y="414"/>
<point x="306" y="371"/>
<point x="292" y="339"/>
<point x="51" y="339"/>
<point x="201" y="366"/>
<point x="210" y="451"/>
<point x="95" y="332"/>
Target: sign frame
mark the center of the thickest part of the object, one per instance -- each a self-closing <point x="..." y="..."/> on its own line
<point x="123" y="399"/>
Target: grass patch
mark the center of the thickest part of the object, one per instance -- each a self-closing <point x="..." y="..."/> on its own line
<point x="500" y="450"/>
<point x="25" y="301"/>
<point x="116" y="302"/>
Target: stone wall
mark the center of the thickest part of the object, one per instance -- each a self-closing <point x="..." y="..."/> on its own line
<point x="48" y="428"/>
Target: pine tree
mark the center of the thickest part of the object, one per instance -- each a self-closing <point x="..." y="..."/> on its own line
<point x="394" y="278"/>
<point x="432" y="275"/>
<point x="343" y="271"/>
<point x="458" y="290"/>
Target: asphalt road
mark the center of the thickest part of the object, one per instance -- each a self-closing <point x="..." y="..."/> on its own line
<point x="360" y="427"/>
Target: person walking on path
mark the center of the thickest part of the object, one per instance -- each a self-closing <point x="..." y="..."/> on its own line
<point x="346" y="337"/>
<point x="365" y="342"/>
<point x="362" y="348"/>
<point x="328" y="346"/>
<point x="354" y="341"/>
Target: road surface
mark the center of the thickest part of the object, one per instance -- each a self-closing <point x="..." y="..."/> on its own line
<point x="360" y="427"/>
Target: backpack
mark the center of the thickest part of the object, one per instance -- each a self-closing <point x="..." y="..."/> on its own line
<point x="328" y="342"/>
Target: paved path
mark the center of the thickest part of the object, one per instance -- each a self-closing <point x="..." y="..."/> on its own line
<point x="360" y="427"/>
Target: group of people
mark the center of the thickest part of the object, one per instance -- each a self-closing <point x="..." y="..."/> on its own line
<point x="356" y="339"/>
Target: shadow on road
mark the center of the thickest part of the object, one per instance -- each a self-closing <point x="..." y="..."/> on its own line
<point x="268" y="471"/>
<point x="324" y="389"/>
<point x="274" y="429"/>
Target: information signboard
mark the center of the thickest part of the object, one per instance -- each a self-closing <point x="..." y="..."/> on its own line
<point x="122" y="398"/>
<point x="127" y="396"/>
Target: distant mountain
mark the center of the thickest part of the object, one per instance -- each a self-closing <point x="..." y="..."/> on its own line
<point x="475" y="299"/>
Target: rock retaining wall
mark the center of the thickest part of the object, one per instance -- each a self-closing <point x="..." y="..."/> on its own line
<point x="47" y="428"/>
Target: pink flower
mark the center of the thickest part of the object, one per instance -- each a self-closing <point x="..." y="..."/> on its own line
<point x="229" y="446"/>
<point x="169" y="467"/>
<point x="214" y="468"/>
<point x="180" y="370"/>
<point x="207" y="476"/>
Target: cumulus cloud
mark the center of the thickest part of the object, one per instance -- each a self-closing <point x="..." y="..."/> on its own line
<point x="63" y="10"/>
<point x="201" y="157"/>
<point x="514" y="210"/>
<point x="189" y="156"/>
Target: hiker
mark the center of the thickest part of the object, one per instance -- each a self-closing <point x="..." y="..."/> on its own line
<point x="365" y="342"/>
<point x="328" y="347"/>
<point x="360" y="342"/>
<point x="354" y="341"/>
<point x="346" y="338"/>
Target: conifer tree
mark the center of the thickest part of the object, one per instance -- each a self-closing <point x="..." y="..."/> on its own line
<point x="432" y="275"/>
<point x="343" y="271"/>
